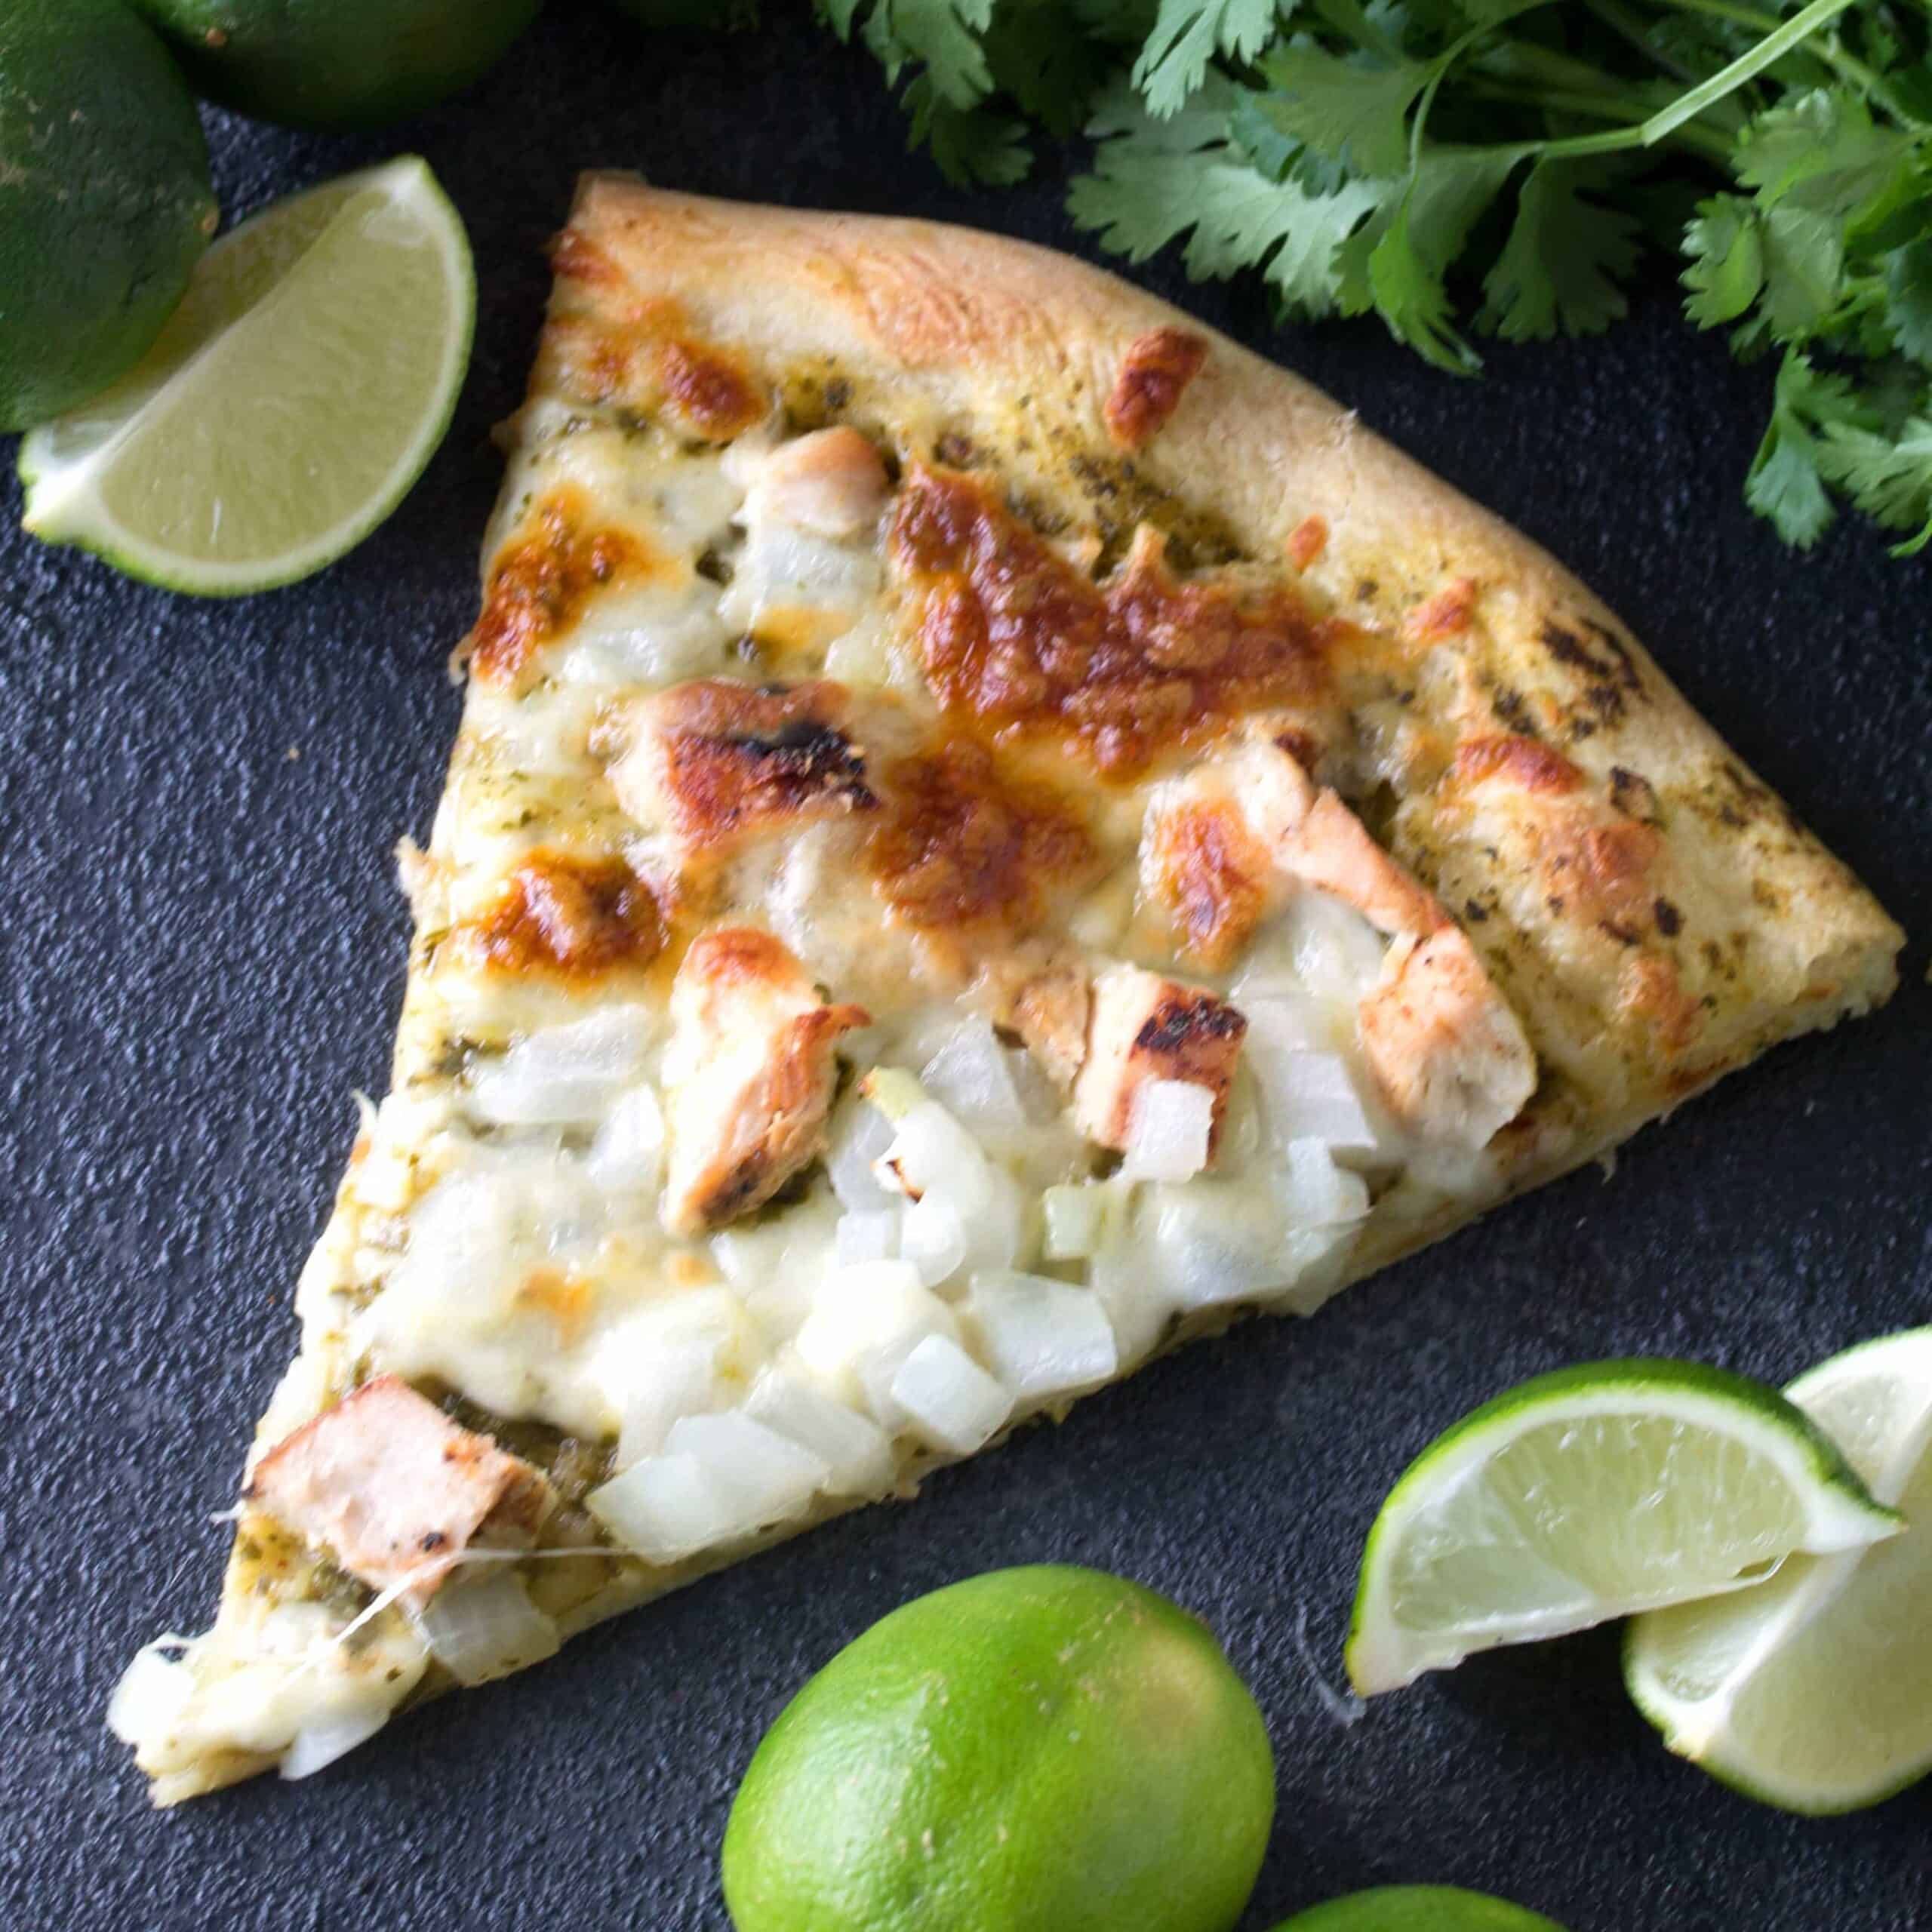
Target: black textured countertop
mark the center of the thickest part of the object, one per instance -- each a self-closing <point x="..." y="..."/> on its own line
<point x="204" y="949"/>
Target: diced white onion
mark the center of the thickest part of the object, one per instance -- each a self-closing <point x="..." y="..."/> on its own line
<point x="563" y="1073"/>
<point x="1338" y="954"/>
<point x="865" y="1322"/>
<point x="482" y="1627"/>
<point x="1212" y="1242"/>
<point x="872" y="1236"/>
<point x="933" y="1238"/>
<point x="665" y="1507"/>
<point x="1319" y="1193"/>
<point x="656" y="635"/>
<point x="1040" y="1099"/>
<point x="1169" y="1126"/>
<point x="971" y="1075"/>
<point x="321" y="1741"/>
<point x="667" y="1383"/>
<point x="1284" y="1021"/>
<point x="1042" y="1337"/>
<point x="1126" y="1280"/>
<point x="1311" y="1096"/>
<point x="1076" y="1221"/>
<point x="856" y="1450"/>
<point x="628" y="1153"/>
<point x="781" y="566"/>
<point x="151" y="1694"/>
<point x="769" y="1477"/>
<point x="948" y="1397"/>
<point x="860" y="1134"/>
<point x="930" y="1149"/>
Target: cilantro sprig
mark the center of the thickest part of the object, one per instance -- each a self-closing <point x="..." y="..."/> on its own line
<point x="1466" y="168"/>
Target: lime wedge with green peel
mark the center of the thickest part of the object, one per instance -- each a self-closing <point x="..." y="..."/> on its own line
<point x="290" y="402"/>
<point x="1587" y="1494"/>
<point x="1814" y="1691"/>
<point x="1418" y="1909"/>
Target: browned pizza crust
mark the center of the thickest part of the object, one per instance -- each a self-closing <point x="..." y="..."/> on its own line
<point x="1656" y="914"/>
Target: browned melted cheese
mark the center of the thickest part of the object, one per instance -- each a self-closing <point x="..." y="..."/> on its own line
<point x="1212" y="874"/>
<point x="1528" y="762"/>
<point x="1156" y="368"/>
<point x="542" y="581"/>
<point x="709" y="390"/>
<point x="1012" y="634"/>
<point x="576" y="917"/>
<point x="963" y="844"/>
<point x="656" y="358"/>
<point x="738" y="757"/>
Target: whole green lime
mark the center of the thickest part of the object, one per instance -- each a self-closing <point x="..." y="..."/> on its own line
<point x="104" y="199"/>
<point x="337" y="64"/>
<point x="1047" y="1749"/>
<point x="1418" y="1909"/>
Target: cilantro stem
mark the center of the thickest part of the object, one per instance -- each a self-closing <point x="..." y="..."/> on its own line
<point x="1746" y="67"/>
<point x="1604" y="107"/>
<point x="1852" y="68"/>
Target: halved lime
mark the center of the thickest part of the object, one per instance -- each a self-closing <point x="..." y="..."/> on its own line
<point x="290" y="402"/>
<point x="1418" y="1909"/>
<point x="1814" y="1691"/>
<point x="1587" y="1494"/>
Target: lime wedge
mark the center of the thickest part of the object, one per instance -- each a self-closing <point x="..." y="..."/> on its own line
<point x="1587" y="1494"/>
<point x="1814" y="1691"/>
<point x="290" y="402"/>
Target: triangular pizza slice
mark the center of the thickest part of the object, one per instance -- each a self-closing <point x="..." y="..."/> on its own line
<point x="992" y="831"/>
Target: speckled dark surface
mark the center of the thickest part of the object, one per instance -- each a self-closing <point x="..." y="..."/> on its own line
<point x="203" y="952"/>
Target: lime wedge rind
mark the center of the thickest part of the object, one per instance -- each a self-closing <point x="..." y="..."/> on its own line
<point x="1813" y="1694"/>
<point x="144" y="477"/>
<point x="1455" y="1563"/>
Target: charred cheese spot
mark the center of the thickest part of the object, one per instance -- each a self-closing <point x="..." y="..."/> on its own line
<point x="574" y="257"/>
<point x="1011" y="634"/>
<point x="542" y="582"/>
<point x="1445" y="614"/>
<point x="1650" y="993"/>
<point x="579" y="918"/>
<point x="709" y="390"/>
<point x="1528" y="762"/>
<point x="736" y="758"/>
<point x="566" y="1300"/>
<point x="1307" y="541"/>
<point x="1155" y="369"/>
<point x="962" y="843"/>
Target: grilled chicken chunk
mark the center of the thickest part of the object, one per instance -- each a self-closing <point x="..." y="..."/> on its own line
<point x="395" y="1491"/>
<point x="748" y="1076"/>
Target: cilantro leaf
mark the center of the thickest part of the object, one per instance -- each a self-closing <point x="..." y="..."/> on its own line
<point x="1186" y="34"/>
<point x="1908" y="298"/>
<point x="1785" y="482"/>
<point x="945" y="38"/>
<point x="1561" y="266"/>
<point x="969" y="144"/>
<point x="1153" y="181"/>
<point x="1890" y="478"/>
<point x="1727" y="254"/>
<point x="1803" y="251"/>
<point x="1821" y="152"/>
<point x="1353" y="111"/>
<point x="1397" y="262"/>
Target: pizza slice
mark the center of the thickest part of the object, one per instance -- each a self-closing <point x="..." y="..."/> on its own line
<point x="992" y="831"/>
